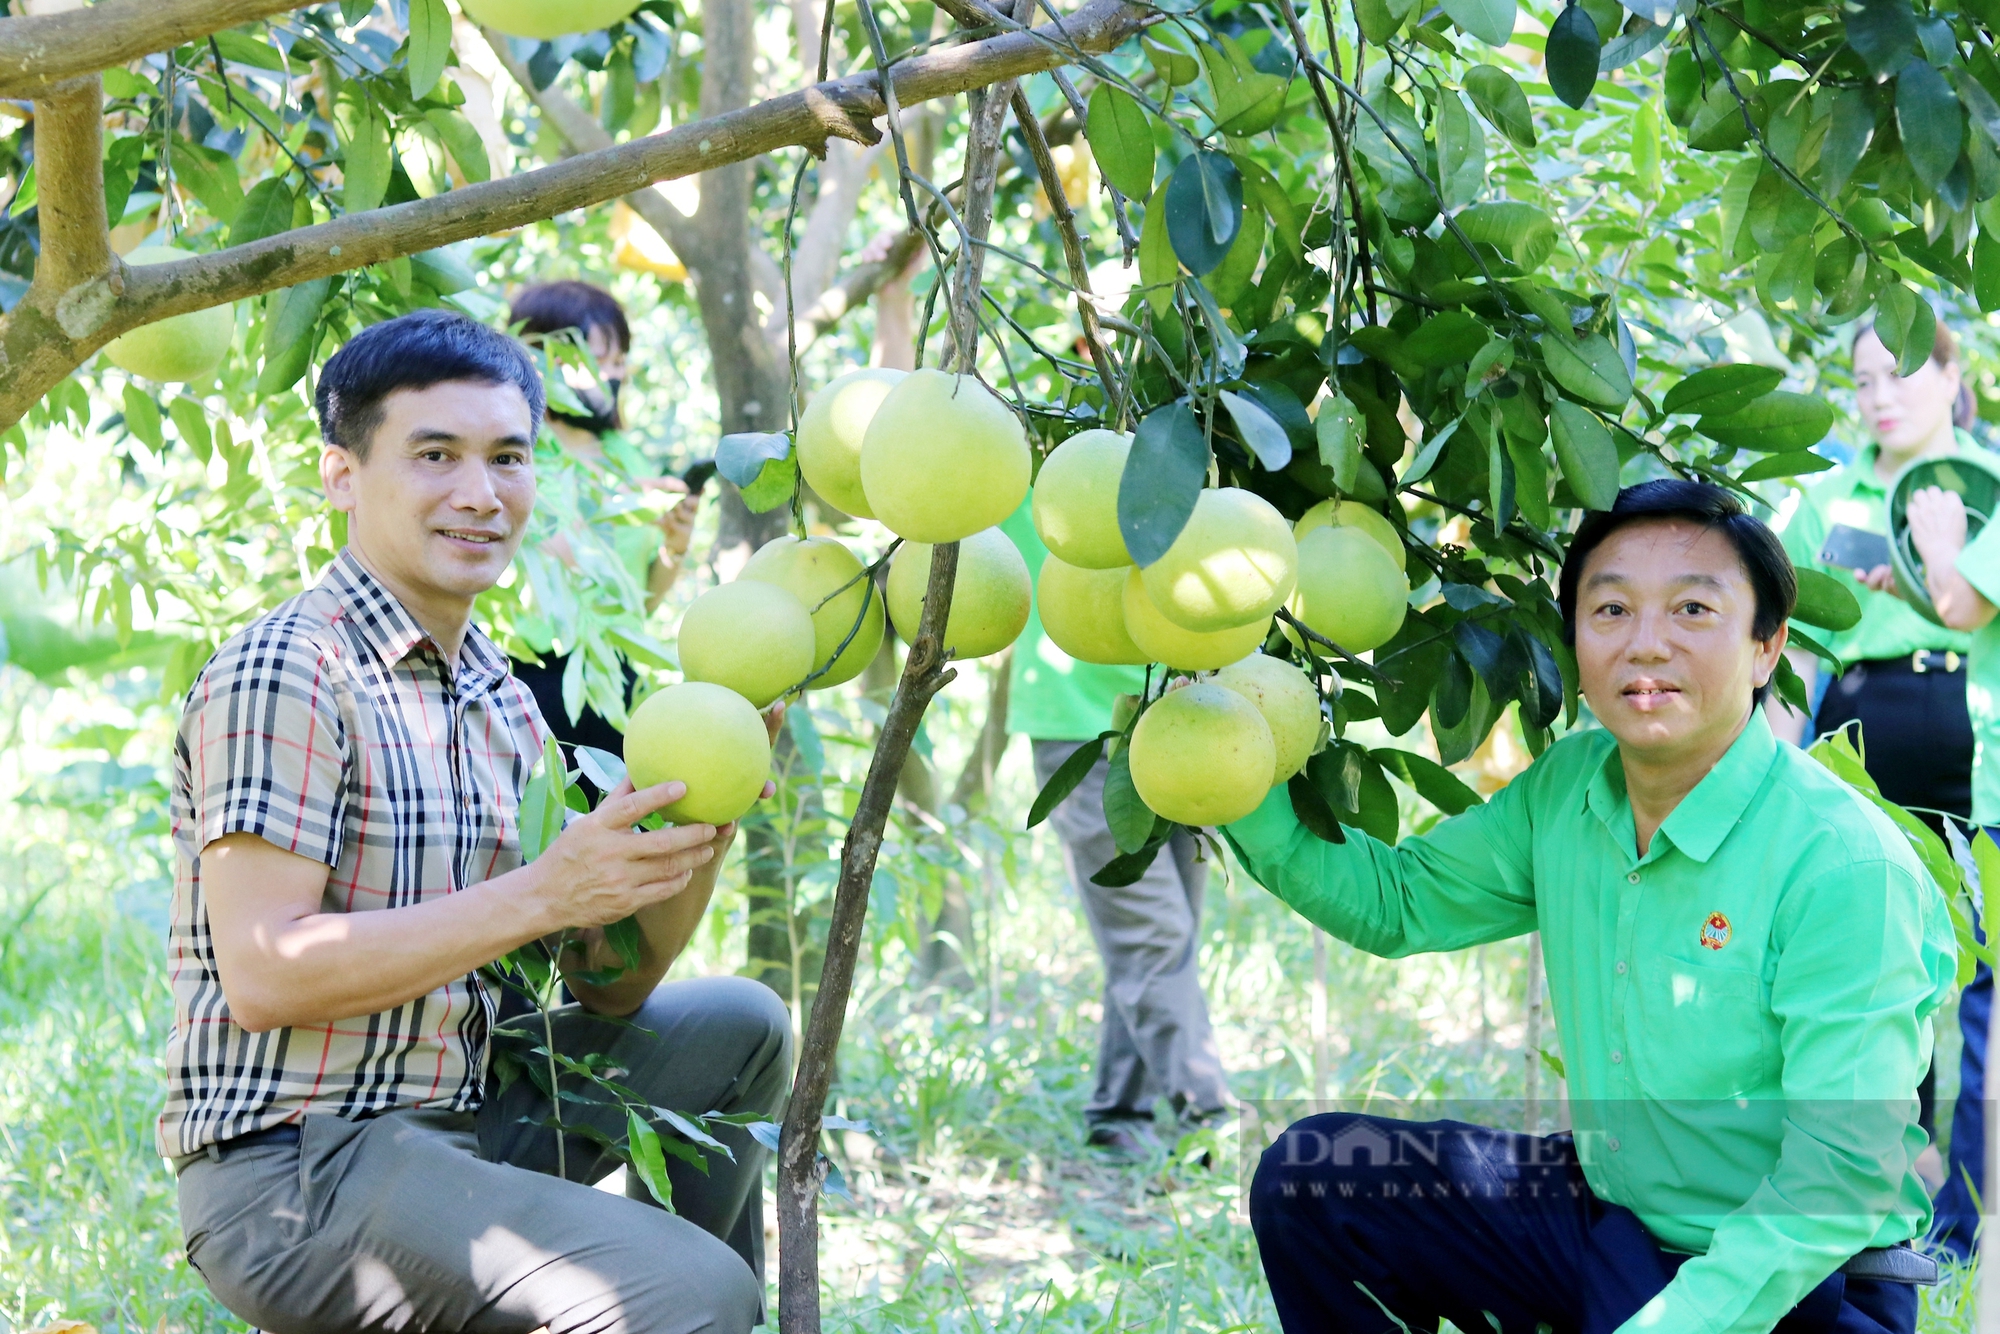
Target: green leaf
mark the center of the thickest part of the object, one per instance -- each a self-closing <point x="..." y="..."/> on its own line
<point x="740" y="456"/>
<point x="1339" y="432"/>
<point x="192" y="423"/>
<point x="1247" y="100"/>
<point x="1166" y="50"/>
<point x="1125" y="814"/>
<point x="1882" y="32"/>
<point x="1501" y="478"/>
<point x="1433" y="782"/>
<point x="1204" y="208"/>
<point x="467" y="149"/>
<point x="1259" y="430"/>
<point x="1719" y="123"/>
<point x="1773" y="423"/>
<point x="266" y="211"/>
<point x="1586" y="452"/>
<point x="1720" y="390"/>
<point x="1521" y="232"/>
<point x="429" y="45"/>
<point x="1628" y="46"/>
<point x="211" y="175"/>
<point x="142" y="417"/>
<point x="1230" y="282"/>
<point x="1571" y="55"/>
<point x="1461" y="149"/>
<point x="1986" y="273"/>
<point x="642" y="1142"/>
<point x="1849" y="130"/>
<point x="1126" y="869"/>
<point x="1313" y="811"/>
<point x="1797" y="463"/>
<point x="1907" y="326"/>
<point x="1491" y="21"/>
<point x="291" y="318"/>
<point x="1734" y="206"/>
<point x="1588" y="367"/>
<point x="1502" y="102"/>
<point x="1163" y="477"/>
<point x="443" y="270"/>
<point x="1121" y="140"/>
<point x="1065" y="780"/>
<point x="1930" y="122"/>
<point x="1646" y="149"/>
<point x="1790" y="688"/>
<point x="1825" y="601"/>
<point x="367" y="156"/>
<point x="1157" y="266"/>
<point x="776" y="481"/>
<point x="1449" y="338"/>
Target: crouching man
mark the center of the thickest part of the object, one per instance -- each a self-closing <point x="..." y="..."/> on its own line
<point x="347" y="777"/>
<point x="1744" y="957"/>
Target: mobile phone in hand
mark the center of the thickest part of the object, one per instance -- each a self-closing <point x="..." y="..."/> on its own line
<point x="1848" y="548"/>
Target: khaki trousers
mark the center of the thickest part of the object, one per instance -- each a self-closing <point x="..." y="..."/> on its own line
<point x="454" y="1222"/>
<point x="1157" y="1041"/>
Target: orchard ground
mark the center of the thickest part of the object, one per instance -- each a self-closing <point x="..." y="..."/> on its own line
<point x="975" y="1206"/>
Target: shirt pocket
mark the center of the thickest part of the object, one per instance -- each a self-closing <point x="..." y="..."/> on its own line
<point x="1699" y="1031"/>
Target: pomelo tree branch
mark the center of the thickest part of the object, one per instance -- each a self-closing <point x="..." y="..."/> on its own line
<point x="37" y="351"/>
<point x="38" y="51"/>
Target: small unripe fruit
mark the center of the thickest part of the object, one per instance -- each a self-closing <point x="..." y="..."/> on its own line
<point x="706" y="736"/>
<point x="1234" y="563"/>
<point x="1202" y="755"/>
<point x="1083" y="613"/>
<point x="943" y="458"/>
<point x="1354" y="514"/>
<point x="544" y="19"/>
<point x="1288" y="702"/>
<point x="184" y="348"/>
<point x="830" y="433"/>
<point x="753" y="637"/>
<point x="1076" y="500"/>
<point x="810" y="570"/>
<point x="1190" y="650"/>
<point x="1349" y="590"/>
<point x="990" y="595"/>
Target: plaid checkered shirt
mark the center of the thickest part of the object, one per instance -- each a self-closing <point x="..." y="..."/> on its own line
<point x="334" y="728"/>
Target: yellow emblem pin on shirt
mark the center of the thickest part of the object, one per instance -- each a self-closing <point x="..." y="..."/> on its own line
<point x="1715" y="931"/>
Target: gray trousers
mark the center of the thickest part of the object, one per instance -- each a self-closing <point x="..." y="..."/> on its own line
<point x="453" y="1222"/>
<point x="1157" y="1041"/>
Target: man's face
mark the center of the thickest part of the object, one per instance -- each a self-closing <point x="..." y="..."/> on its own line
<point x="442" y="502"/>
<point x="1663" y="644"/>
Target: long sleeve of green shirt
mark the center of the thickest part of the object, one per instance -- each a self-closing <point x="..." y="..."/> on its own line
<point x="1745" y="1011"/>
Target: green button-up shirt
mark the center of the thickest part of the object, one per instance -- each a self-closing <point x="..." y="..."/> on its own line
<point x="1980" y="564"/>
<point x="1745" y="1010"/>
<point x="1889" y="627"/>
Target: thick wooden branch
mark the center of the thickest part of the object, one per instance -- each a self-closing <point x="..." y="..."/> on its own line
<point x="69" y="171"/>
<point x="36" y="351"/>
<point x="925" y="672"/>
<point x="38" y="51"/>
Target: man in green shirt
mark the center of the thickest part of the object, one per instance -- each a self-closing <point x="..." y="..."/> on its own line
<point x="1744" y="957"/>
<point x="1156" y="1041"/>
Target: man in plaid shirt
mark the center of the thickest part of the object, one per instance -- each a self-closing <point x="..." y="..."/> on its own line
<point x="348" y="773"/>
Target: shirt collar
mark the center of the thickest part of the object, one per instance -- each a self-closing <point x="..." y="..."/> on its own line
<point x="1707" y="814"/>
<point x="394" y="634"/>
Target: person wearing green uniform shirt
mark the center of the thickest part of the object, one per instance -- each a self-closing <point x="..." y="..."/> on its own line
<point x="1744" y="956"/>
<point x="1904" y="680"/>
<point x="651" y="553"/>
<point x="1156" y="1040"/>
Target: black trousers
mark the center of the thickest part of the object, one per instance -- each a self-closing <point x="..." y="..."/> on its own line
<point x="1490" y="1229"/>
<point x="1918" y="744"/>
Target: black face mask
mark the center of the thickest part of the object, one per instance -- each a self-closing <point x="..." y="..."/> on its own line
<point x="603" y="417"/>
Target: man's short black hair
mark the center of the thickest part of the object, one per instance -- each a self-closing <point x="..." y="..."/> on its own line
<point x="1772" y="578"/>
<point x="547" y="308"/>
<point x="416" y="351"/>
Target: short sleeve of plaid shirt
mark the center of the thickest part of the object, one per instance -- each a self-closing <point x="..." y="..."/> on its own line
<point x="264" y="746"/>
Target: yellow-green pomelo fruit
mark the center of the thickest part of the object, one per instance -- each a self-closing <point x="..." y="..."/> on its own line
<point x="1349" y="590"/>
<point x="943" y="458"/>
<point x="1190" y="650"/>
<point x="1076" y="500"/>
<point x="990" y="595"/>
<point x="543" y="19"/>
<point x="1083" y="613"/>
<point x="1234" y="563"/>
<point x="1354" y="514"/>
<point x="1288" y="702"/>
<point x="1203" y="755"/>
<point x="810" y="570"/>
<point x="830" y="434"/>
<point x="706" y="736"/>
<point x="756" y="638"/>
<point x="186" y="348"/>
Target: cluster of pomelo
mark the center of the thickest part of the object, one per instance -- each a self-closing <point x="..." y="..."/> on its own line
<point x="938" y="458"/>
